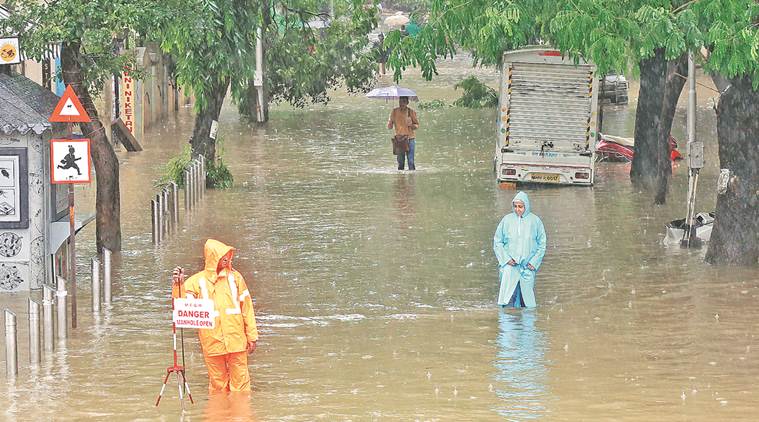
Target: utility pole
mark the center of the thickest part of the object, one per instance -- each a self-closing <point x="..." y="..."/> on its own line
<point x="695" y="158"/>
<point x="258" y="79"/>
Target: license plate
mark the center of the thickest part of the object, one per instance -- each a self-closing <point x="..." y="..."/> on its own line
<point x="545" y="177"/>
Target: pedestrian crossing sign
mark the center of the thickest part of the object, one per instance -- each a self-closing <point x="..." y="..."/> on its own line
<point x="70" y="161"/>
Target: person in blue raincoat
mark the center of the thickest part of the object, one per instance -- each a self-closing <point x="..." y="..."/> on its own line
<point x="519" y="244"/>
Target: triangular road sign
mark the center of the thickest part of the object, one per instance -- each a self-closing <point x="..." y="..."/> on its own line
<point x="69" y="109"/>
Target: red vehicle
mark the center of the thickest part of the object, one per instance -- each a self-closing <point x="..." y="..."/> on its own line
<point x="617" y="148"/>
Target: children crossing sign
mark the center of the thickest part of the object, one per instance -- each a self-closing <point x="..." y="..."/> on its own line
<point x="70" y="161"/>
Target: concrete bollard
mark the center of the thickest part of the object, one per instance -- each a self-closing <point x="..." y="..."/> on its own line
<point x="196" y="172"/>
<point x="34" y="332"/>
<point x="187" y="205"/>
<point x="95" y="266"/>
<point x="106" y="277"/>
<point x="11" y="347"/>
<point x="60" y="294"/>
<point x="194" y="183"/>
<point x="168" y="203"/>
<point x="48" y="324"/>
<point x="201" y="173"/>
<point x="154" y="220"/>
<point x="159" y="231"/>
<point x="175" y="203"/>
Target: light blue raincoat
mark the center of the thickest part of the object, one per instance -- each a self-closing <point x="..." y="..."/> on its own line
<point x="523" y="240"/>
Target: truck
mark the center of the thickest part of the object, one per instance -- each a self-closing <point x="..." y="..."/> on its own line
<point x="547" y="119"/>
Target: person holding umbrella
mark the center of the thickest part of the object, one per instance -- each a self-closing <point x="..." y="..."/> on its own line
<point x="405" y="122"/>
<point x="403" y="119"/>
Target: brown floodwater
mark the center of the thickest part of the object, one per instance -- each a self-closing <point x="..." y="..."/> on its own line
<point x="375" y="289"/>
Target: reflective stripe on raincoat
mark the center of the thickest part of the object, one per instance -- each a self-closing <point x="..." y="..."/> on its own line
<point x="235" y="323"/>
<point x="523" y="240"/>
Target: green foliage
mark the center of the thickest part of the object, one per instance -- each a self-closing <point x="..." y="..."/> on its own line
<point x="91" y="24"/>
<point x="613" y="34"/>
<point x="303" y="63"/>
<point x="211" y="41"/>
<point x="476" y="94"/>
<point x="486" y="28"/>
<point x="432" y="105"/>
<point x="218" y="175"/>
<point x="173" y="171"/>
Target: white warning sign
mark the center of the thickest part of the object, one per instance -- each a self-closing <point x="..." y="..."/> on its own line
<point x="194" y="313"/>
<point x="70" y="161"/>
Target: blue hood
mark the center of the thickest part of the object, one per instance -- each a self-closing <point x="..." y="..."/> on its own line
<point x="521" y="196"/>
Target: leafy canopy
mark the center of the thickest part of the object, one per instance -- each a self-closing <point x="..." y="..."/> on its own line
<point x="90" y="24"/>
<point x="613" y="34"/>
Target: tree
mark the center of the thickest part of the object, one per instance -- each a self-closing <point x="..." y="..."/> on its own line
<point x="86" y="30"/>
<point x="731" y="31"/>
<point x="211" y="42"/>
<point x="307" y="52"/>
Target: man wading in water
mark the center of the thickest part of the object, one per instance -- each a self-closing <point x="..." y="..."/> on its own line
<point x="226" y="346"/>
<point x="404" y="120"/>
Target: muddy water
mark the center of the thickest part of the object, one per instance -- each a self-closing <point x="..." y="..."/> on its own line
<point x="375" y="289"/>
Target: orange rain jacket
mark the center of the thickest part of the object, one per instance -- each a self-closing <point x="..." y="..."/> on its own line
<point x="235" y="323"/>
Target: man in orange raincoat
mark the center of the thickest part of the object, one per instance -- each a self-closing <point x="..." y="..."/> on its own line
<point x="226" y="346"/>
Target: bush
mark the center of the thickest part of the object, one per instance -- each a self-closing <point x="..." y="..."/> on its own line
<point x="476" y="94"/>
<point x="174" y="169"/>
<point x="218" y="175"/>
<point x="432" y="105"/>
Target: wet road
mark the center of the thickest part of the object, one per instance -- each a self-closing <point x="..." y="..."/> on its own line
<point x="375" y="289"/>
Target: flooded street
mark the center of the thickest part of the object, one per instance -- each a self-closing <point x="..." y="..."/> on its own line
<point x="375" y="289"/>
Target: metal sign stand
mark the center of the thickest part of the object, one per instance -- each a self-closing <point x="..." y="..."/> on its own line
<point x="177" y="289"/>
<point x="69" y="110"/>
<point x="72" y="245"/>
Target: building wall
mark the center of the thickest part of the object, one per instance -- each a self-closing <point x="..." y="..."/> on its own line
<point x="23" y="260"/>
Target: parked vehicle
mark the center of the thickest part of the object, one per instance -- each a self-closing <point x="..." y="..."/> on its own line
<point x="617" y="148"/>
<point x="613" y="88"/>
<point x="547" y="119"/>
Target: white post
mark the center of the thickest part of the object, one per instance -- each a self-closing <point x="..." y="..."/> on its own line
<point x="106" y="277"/>
<point x="48" y="326"/>
<point x="60" y="294"/>
<point x="168" y="214"/>
<point x="154" y="220"/>
<point x="34" y="332"/>
<point x="95" y="265"/>
<point x="11" y="347"/>
<point x="187" y="204"/>
<point x="175" y="203"/>
<point x="159" y="212"/>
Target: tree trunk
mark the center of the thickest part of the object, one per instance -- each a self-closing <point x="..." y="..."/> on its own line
<point x="201" y="141"/>
<point x="735" y="237"/>
<point x="644" y="169"/>
<point x="673" y="88"/>
<point x="660" y="88"/>
<point x="108" y="197"/>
